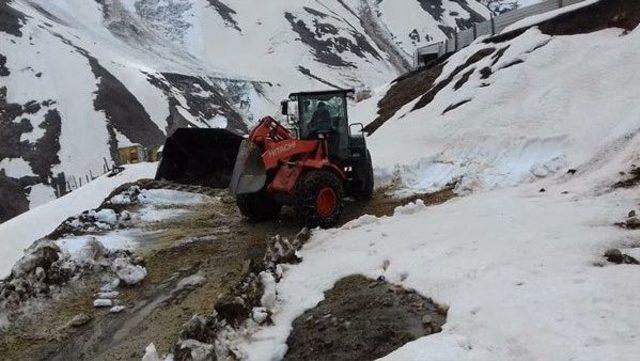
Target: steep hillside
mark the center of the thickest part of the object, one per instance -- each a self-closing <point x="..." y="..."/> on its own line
<point x="510" y="110"/>
<point x="78" y="79"/>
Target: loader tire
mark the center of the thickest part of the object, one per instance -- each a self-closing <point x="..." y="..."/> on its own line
<point x="258" y="206"/>
<point x="363" y="187"/>
<point x="318" y="199"/>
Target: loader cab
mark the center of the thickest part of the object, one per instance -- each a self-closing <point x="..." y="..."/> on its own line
<point x="324" y="114"/>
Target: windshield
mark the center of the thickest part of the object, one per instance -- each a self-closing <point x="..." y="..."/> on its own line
<point x="321" y="113"/>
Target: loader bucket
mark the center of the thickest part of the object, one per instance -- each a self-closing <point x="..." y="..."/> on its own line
<point x="249" y="174"/>
<point x="199" y="156"/>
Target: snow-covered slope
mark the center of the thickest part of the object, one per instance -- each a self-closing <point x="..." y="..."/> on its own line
<point x="78" y="79"/>
<point x="540" y="136"/>
<point x="20" y="232"/>
<point x="527" y="108"/>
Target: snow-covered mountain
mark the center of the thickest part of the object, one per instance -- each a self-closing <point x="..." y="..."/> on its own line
<point x="80" y="78"/>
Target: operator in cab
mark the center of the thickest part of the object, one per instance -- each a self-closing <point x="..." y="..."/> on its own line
<point x="321" y="119"/>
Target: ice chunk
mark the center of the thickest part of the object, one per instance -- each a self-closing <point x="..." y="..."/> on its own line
<point x="151" y="354"/>
<point x="259" y="314"/>
<point x="111" y="285"/>
<point x="106" y="215"/>
<point x="102" y="302"/>
<point x="410" y="208"/>
<point x="128" y="273"/>
<point x="117" y="309"/>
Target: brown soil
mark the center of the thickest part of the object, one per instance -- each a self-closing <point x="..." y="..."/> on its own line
<point x="420" y="83"/>
<point x="362" y="319"/>
<point x="404" y="90"/>
<point x="213" y="241"/>
<point x="430" y="95"/>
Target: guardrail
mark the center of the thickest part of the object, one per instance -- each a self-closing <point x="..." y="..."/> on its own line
<point x="491" y="27"/>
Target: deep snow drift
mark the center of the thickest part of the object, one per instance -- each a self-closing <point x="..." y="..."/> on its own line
<point x="541" y="143"/>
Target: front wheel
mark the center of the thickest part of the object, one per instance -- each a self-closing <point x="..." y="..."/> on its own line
<point x="258" y="206"/>
<point x="318" y="199"/>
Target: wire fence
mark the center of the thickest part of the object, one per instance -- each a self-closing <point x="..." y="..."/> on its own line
<point x="64" y="184"/>
<point x="491" y="27"/>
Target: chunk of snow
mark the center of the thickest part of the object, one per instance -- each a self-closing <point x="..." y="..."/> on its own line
<point x="198" y="350"/>
<point x="128" y="273"/>
<point x="111" y="285"/>
<point x="109" y="295"/>
<point x="410" y="208"/>
<point x="151" y="354"/>
<point x="102" y="302"/>
<point x="90" y="252"/>
<point x="117" y="309"/>
<point x="106" y="215"/>
<point x="259" y="314"/>
<point x="268" y="299"/>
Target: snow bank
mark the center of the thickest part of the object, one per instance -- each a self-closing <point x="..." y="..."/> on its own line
<point x="526" y="121"/>
<point x="515" y="267"/>
<point x="19" y="232"/>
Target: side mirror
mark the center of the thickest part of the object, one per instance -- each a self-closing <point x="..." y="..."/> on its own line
<point x="284" y="105"/>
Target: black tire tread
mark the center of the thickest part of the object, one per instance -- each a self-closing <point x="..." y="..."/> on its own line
<point x="363" y="190"/>
<point x="258" y="206"/>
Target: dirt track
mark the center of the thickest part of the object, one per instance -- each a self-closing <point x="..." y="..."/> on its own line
<point x="212" y="241"/>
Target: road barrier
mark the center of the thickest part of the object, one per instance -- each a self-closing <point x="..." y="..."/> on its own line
<point x="491" y="27"/>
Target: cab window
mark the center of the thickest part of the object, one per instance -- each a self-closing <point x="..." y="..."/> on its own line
<point x="321" y="113"/>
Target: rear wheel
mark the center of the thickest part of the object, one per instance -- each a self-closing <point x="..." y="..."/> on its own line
<point x="258" y="206"/>
<point x="318" y="199"/>
<point x="362" y="189"/>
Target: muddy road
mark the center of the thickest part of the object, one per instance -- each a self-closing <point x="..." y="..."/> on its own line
<point x="191" y="261"/>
